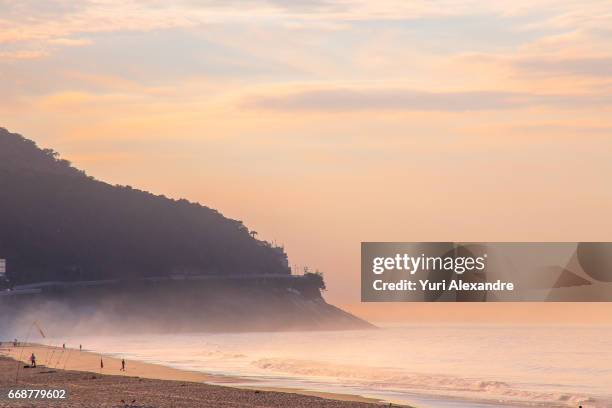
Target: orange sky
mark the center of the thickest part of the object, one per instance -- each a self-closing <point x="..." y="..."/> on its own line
<point x="322" y="124"/>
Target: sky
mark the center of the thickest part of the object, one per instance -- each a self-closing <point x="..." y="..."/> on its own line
<point x="324" y="123"/>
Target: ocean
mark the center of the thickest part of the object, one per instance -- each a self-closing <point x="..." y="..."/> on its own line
<point x="433" y="366"/>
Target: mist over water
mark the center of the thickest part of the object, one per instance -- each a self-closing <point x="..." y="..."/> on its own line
<point x="428" y="366"/>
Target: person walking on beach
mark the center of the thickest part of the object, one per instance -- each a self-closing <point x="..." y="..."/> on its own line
<point x="122" y="364"/>
<point x="33" y="361"/>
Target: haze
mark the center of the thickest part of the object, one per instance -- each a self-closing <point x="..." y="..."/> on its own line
<point x="322" y="124"/>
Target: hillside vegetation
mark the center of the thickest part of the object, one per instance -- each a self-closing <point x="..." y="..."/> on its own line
<point x="57" y="223"/>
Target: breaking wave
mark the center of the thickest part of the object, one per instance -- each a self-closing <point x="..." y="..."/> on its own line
<point x="392" y="379"/>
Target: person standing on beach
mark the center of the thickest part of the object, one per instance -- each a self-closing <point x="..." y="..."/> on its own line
<point x="101" y="364"/>
<point x="33" y="361"/>
<point x="80" y="347"/>
<point x="122" y="364"/>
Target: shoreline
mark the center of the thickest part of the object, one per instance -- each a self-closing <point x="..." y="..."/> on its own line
<point x="57" y="358"/>
<point x="55" y="363"/>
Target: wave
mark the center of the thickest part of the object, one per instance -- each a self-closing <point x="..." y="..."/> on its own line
<point x="430" y="384"/>
<point x="221" y="354"/>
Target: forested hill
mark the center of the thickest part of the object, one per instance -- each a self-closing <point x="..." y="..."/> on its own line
<point x="57" y="223"/>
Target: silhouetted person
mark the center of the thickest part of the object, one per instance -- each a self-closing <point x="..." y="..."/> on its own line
<point x="101" y="363"/>
<point x="64" y="346"/>
<point x="122" y="364"/>
<point x="33" y="361"/>
<point x="80" y="347"/>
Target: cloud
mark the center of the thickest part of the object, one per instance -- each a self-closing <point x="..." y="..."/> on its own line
<point x="410" y="100"/>
<point x="43" y="20"/>
<point x="70" y="42"/>
<point x="586" y="66"/>
<point x="557" y="129"/>
<point x="22" y="54"/>
<point x="445" y="27"/>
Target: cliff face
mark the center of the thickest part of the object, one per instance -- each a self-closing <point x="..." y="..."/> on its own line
<point x="58" y="224"/>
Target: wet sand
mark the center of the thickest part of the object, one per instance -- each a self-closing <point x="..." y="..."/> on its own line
<point x="71" y="359"/>
<point x="149" y="385"/>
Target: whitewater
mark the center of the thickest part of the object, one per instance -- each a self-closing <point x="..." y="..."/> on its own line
<point x="424" y="366"/>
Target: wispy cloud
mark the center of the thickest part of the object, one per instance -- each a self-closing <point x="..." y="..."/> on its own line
<point x="71" y="42"/>
<point x="586" y="66"/>
<point x="22" y="54"/>
<point x="410" y="100"/>
<point x="44" y="21"/>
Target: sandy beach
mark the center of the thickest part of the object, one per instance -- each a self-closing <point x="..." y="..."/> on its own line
<point x="148" y="385"/>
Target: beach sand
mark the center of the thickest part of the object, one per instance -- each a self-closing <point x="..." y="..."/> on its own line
<point x="149" y="385"/>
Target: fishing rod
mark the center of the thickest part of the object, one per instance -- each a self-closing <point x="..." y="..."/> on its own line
<point x="67" y="358"/>
<point x="50" y="359"/>
<point x="19" y="362"/>
<point x="60" y="358"/>
<point x="27" y="339"/>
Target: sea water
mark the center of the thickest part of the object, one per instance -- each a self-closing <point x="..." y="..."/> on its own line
<point x="426" y="366"/>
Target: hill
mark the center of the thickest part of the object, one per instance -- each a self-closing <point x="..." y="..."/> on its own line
<point x="58" y="224"/>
